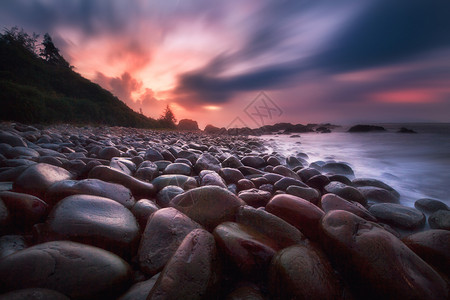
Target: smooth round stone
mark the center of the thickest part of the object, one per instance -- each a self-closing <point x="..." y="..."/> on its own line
<point x="248" y="250"/>
<point x="433" y="246"/>
<point x="12" y="173"/>
<point x="208" y="177"/>
<point x="398" y="215"/>
<point x="378" y="195"/>
<point x="278" y="230"/>
<point x="10" y="244"/>
<point x="38" y="178"/>
<point x="231" y="175"/>
<point x="12" y="139"/>
<point x="163" y="234"/>
<point x="191" y="273"/>
<point x="244" y="184"/>
<point x="302" y="272"/>
<point x="123" y="165"/>
<point x="25" y="210"/>
<point x="338" y="169"/>
<point x="153" y="155"/>
<point x="245" y="291"/>
<point x="189" y="155"/>
<point x="341" y="178"/>
<point x="430" y="205"/>
<point x="360" y="182"/>
<point x="272" y="177"/>
<point x="378" y="264"/>
<point x="440" y="220"/>
<point x="286" y="182"/>
<point x="140" y="290"/>
<point x="93" y="220"/>
<point x="50" y="160"/>
<point x="347" y="192"/>
<point x="293" y="162"/>
<point x="162" y="164"/>
<point x="166" y="195"/>
<point x="108" y="153"/>
<point x="298" y="212"/>
<point x="253" y="161"/>
<point x="273" y="161"/>
<point x="168" y="155"/>
<point x="318" y="182"/>
<point x="182" y="181"/>
<point x="306" y="173"/>
<point x="254" y="197"/>
<point x="147" y="171"/>
<point x="310" y="194"/>
<point x="94" y="187"/>
<point x="140" y="189"/>
<point x="207" y="162"/>
<point x="178" y="168"/>
<point x="34" y="294"/>
<point x="5" y="217"/>
<point x="76" y="270"/>
<point x="142" y="210"/>
<point x="208" y="205"/>
<point x="232" y="162"/>
<point x="23" y="152"/>
<point x="282" y="170"/>
<point x="331" y="202"/>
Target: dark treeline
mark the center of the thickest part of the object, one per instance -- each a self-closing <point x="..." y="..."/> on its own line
<point x="39" y="86"/>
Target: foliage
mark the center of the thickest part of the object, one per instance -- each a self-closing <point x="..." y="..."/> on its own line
<point x="37" y="90"/>
<point x="167" y="119"/>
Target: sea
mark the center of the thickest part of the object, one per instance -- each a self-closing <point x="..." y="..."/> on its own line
<point x="416" y="165"/>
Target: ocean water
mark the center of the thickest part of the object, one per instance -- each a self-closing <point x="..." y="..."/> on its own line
<point x="416" y="165"/>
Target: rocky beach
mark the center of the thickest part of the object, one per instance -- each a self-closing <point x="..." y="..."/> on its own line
<point x="124" y="213"/>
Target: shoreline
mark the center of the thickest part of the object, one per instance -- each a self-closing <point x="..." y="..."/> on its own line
<point x="221" y="214"/>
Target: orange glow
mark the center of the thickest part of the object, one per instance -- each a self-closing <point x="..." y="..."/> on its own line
<point x="405" y="96"/>
<point x="212" y="107"/>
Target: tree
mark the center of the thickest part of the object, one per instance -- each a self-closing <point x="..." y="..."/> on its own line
<point x="51" y="54"/>
<point x="167" y="119"/>
<point x="20" y="38"/>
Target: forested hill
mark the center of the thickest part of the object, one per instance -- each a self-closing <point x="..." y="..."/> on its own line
<point x="37" y="85"/>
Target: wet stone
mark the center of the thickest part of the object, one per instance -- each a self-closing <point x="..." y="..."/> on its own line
<point x="331" y="202"/>
<point x="182" y="181"/>
<point x="166" y="195"/>
<point x="398" y="215"/>
<point x="347" y="192"/>
<point x="142" y="210"/>
<point x="430" y="205"/>
<point x="231" y="175"/>
<point x="76" y="270"/>
<point x="25" y="210"/>
<point x="378" y="195"/>
<point x="208" y="205"/>
<point x="440" y="220"/>
<point x="178" y="168"/>
<point x="310" y="194"/>
<point x="163" y="234"/>
<point x="255" y="197"/>
<point x="93" y="220"/>
<point x="38" y="178"/>
<point x="192" y="270"/>
<point x="208" y="177"/>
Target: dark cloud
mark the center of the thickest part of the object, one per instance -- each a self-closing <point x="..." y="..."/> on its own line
<point x="385" y="32"/>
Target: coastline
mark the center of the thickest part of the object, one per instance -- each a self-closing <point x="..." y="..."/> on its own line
<point x="222" y="214"/>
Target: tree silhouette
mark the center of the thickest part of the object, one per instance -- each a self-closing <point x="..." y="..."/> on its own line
<point x="51" y="54"/>
<point x="167" y="119"/>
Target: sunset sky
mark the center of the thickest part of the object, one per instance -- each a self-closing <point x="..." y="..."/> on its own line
<point x="341" y="61"/>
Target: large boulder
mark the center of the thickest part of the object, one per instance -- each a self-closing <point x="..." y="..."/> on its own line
<point x="186" y="124"/>
<point x="192" y="272"/>
<point x="94" y="187"/>
<point x="375" y="262"/>
<point x="398" y="215"/>
<point x="433" y="246"/>
<point x="140" y="189"/>
<point x="165" y="231"/>
<point x="302" y="272"/>
<point x="25" y="210"/>
<point x="247" y="249"/>
<point x="298" y="212"/>
<point x="76" y="270"/>
<point x="93" y="220"/>
<point x="36" y="179"/>
<point x="208" y="205"/>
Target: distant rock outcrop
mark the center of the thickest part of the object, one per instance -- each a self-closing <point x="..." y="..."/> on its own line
<point x="211" y="129"/>
<point x="187" y="124"/>
<point x="366" y="128"/>
<point x="405" y="130"/>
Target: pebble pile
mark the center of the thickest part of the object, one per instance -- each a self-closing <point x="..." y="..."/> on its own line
<point x="121" y="213"/>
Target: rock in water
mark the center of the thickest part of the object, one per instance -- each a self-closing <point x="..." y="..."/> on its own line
<point x="191" y="273"/>
<point x="208" y="205"/>
<point x="398" y="215"/>
<point x="163" y="234"/>
<point x="76" y="270"/>
<point x="366" y="128"/>
<point x="440" y="220"/>
<point x="302" y="272"/>
<point x="378" y="264"/>
<point x="38" y="178"/>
